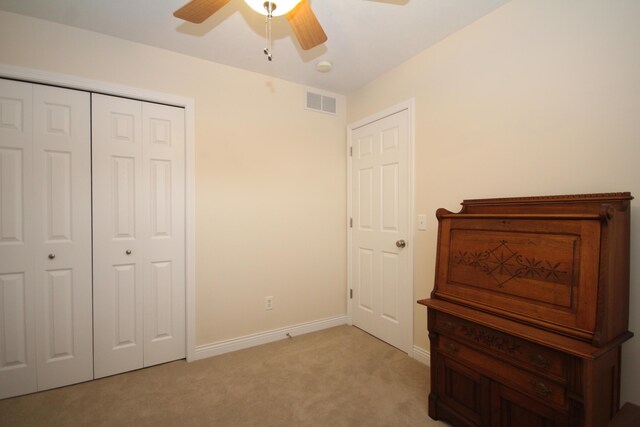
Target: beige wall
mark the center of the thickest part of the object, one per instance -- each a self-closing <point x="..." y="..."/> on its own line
<point x="270" y="176"/>
<point x="539" y="97"/>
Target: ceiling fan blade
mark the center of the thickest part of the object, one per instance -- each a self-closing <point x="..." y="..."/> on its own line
<point x="306" y="26"/>
<point x="196" y="11"/>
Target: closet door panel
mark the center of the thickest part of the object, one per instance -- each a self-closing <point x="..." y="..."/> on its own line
<point x="163" y="175"/>
<point x="17" y="278"/>
<point x="17" y="336"/>
<point x="62" y="201"/>
<point x="119" y="231"/>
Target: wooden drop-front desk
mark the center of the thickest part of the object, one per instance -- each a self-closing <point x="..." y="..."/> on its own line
<point x="529" y="311"/>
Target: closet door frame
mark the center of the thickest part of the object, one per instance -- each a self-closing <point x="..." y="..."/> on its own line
<point x="73" y="82"/>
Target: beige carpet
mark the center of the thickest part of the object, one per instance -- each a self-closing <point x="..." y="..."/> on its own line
<point x="337" y="377"/>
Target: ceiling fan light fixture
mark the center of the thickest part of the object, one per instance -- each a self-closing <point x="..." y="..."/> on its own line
<point x="281" y="6"/>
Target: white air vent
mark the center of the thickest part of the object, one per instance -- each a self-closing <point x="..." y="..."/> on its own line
<point x="322" y="103"/>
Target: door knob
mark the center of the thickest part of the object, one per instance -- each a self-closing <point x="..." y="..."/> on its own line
<point x="401" y="244"/>
<point x="128" y="252"/>
<point x="52" y="256"/>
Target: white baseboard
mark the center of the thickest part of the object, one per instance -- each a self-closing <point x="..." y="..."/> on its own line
<point x="421" y="355"/>
<point x="221" y="347"/>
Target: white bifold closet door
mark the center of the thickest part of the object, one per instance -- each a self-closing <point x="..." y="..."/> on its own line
<point x="45" y="238"/>
<point x="139" y="234"/>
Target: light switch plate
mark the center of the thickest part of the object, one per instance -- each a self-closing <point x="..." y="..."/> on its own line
<point x="422" y="222"/>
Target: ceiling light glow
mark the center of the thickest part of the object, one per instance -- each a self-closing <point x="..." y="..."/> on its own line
<point x="281" y="6"/>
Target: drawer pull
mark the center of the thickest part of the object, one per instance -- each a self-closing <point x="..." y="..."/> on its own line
<point x="539" y="360"/>
<point x="541" y="388"/>
<point x="451" y="348"/>
<point x="449" y="325"/>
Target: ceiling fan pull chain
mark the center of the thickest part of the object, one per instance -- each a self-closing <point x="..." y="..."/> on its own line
<point x="270" y="40"/>
<point x="269" y="6"/>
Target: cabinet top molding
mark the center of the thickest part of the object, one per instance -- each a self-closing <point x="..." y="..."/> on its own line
<point x="572" y="198"/>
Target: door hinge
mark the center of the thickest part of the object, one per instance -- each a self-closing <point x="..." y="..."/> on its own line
<point x="350" y="222"/>
<point x="350" y="293"/>
<point x="351" y="151"/>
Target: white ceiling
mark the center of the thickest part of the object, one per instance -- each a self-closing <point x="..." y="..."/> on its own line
<point x="366" y="37"/>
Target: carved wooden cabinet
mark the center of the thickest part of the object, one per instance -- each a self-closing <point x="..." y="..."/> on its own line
<point x="529" y="311"/>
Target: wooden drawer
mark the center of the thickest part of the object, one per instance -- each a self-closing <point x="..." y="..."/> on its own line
<point x="549" y="392"/>
<point x="514" y="350"/>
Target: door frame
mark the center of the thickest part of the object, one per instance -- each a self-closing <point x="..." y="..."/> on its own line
<point x="78" y="83"/>
<point x="408" y="304"/>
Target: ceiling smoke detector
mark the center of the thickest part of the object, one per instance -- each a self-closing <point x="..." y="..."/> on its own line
<point x="324" y="66"/>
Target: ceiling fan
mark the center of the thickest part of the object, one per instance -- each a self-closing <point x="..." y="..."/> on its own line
<point x="303" y="21"/>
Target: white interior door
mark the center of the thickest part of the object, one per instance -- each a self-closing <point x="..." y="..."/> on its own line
<point x="17" y="276"/>
<point x="380" y="208"/>
<point x="164" y="254"/>
<point x="117" y="236"/>
<point x="62" y="229"/>
<point x="45" y="238"/>
<point x="139" y="248"/>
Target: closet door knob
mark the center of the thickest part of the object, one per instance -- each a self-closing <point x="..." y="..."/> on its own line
<point x="52" y="256"/>
<point x="401" y="244"/>
<point x="128" y="252"/>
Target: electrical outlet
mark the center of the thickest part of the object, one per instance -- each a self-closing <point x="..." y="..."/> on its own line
<point x="268" y="303"/>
